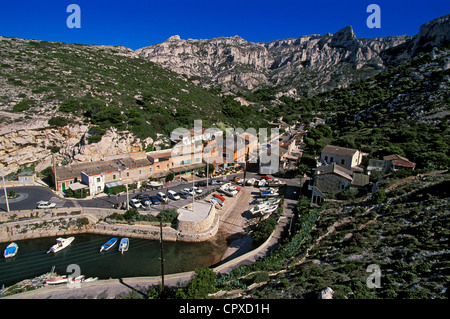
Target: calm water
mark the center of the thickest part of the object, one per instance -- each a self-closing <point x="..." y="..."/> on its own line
<point x="141" y="259"/>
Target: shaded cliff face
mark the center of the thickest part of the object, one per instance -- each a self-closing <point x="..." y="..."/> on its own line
<point x="311" y="63"/>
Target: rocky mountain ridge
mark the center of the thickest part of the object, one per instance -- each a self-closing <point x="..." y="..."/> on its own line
<point x="311" y="63"/>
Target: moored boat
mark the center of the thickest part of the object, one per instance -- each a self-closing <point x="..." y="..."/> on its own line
<point x="90" y="279"/>
<point x="61" y="243"/>
<point x="108" y="244"/>
<point x="56" y="280"/>
<point x="11" y="250"/>
<point x="123" y="245"/>
<point x="250" y="181"/>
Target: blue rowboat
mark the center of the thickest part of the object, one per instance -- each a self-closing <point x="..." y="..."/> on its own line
<point x="123" y="246"/>
<point x="108" y="244"/>
<point x="11" y="250"/>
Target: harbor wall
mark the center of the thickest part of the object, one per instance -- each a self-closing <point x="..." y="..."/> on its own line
<point x="71" y="221"/>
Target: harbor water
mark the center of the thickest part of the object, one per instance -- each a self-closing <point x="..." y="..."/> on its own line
<point x="141" y="259"/>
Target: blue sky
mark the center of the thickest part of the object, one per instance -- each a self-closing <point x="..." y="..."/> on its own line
<point x="139" y="23"/>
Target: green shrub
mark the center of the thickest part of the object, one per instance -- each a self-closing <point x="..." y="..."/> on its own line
<point x="199" y="287"/>
<point x="22" y="106"/>
<point x="58" y="121"/>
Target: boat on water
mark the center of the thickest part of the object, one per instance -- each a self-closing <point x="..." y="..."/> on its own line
<point x="123" y="245"/>
<point x="61" y="243"/>
<point x="108" y="244"/>
<point x="11" y="250"/>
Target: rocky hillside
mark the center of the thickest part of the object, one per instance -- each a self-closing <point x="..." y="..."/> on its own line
<point x="61" y="99"/>
<point x="309" y="64"/>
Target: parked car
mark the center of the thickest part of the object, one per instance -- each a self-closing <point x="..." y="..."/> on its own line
<point x="216" y="182"/>
<point x="162" y="197"/>
<point x="142" y="197"/>
<point x="155" y="200"/>
<point x="201" y="184"/>
<point x="146" y="202"/>
<point x="135" y="203"/>
<point x="45" y="204"/>
<point x="187" y="191"/>
<point x="173" y="195"/>
<point x="184" y="195"/>
<point x="196" y="190"/>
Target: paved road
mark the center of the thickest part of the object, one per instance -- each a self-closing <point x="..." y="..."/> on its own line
<point x="29" y="196"/>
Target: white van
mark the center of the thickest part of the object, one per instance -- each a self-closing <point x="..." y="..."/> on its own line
<point x="162" y="197"/>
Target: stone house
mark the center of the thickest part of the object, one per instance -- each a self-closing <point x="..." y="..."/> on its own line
<point x="395" y="162"/>
<point x="345" y="157"/>
<point x="332" y="179"/>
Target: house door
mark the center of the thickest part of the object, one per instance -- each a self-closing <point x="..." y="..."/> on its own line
<point x="63" y="185"/>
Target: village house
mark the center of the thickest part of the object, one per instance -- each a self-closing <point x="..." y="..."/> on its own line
<point x="332" y="179"/>
<point x="390" y="163"/>
<point x="345" y="157"/>
<point x="395" y="162"/>
<point x="95" y="176"/>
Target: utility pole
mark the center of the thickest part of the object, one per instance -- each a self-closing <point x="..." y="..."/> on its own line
<point x="6" y="193"/>
<point x="162" y="254"/>
<point x="193" y="190"/>
<point x="245" y="166"/>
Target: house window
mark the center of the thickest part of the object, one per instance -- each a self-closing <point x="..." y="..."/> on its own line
<point x="150" y="169"/>
<point x="140" y="172"/>
<point x="342" y="162"/>
<point x="331" y="159"/>
<point x="157" y="167"/>
<point x="114" y="177"/>
<point x="128" y="174"/>
<point x="326" y="158"/>
<point x="98" y="179"/>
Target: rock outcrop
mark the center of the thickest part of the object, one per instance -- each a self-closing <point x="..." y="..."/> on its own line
<point x="67" y="144"/>
<point x="309" y="63"/>
<point x="303" y="62"/>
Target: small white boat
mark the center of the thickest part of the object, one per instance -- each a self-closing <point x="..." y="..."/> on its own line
<point x="269" y="210"/>
<point x="124" y="243"/>
<point x="11" y="250"/>
<point x="276" y="183"/>
<point x="90" y="279"/>
<point x="229" y="190"/>
<point x="108" y="244"/>
<point x="250" y="182"/>
<point x="61" y="243"/>
<point x="261" y="183"/>
<point x="56" y="280"/>
<point x="258" y="208"/>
